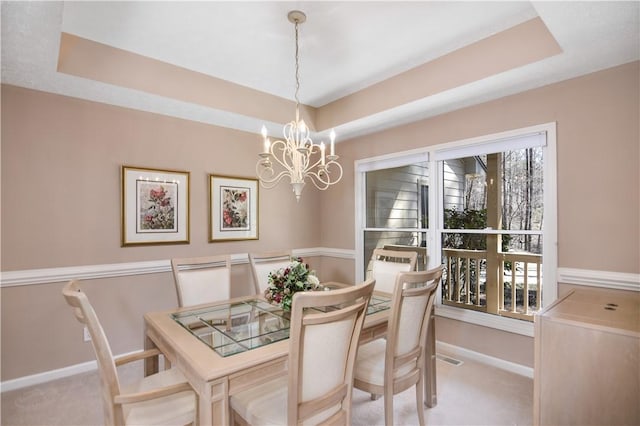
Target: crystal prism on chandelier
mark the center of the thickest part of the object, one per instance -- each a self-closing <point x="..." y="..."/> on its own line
<point x="296" y="156"/>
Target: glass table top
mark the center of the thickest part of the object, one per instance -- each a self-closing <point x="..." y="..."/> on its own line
<point x="238" y="327"/>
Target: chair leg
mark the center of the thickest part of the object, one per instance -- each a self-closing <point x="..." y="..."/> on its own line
<point x="388" y="406"/>
<point x="419" y="399"/>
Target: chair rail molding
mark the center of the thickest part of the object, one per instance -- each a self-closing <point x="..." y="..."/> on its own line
<point x="85" y="272"/>
<point x="603" y="279"/>
<point x="88" y="272"/>
<point x="585" y="277"/>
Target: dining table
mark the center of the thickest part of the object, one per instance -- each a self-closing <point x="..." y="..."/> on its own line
<point x="226" y="347"/>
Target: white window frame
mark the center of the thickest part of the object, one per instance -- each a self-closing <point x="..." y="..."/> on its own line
<point x="388" y="161"/>
<point x="434" y="233"/>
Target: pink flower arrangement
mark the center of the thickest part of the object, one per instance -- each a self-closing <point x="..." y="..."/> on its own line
<point x="285" y="282"/>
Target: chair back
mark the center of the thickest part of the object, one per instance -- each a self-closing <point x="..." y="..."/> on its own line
<point x="423" y="259"/>
<point x="202" y="279"/>
<point x="321" y="380"/>
<point x="387" y="264"/>
<point x="263" y="263"/>
<point x="412" y="302"/>
<point x="109" y="382"/>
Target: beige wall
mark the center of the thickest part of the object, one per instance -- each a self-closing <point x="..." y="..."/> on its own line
<point x="61" y="160"/>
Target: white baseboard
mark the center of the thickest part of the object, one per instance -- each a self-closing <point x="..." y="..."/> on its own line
<point x="485" y="359"/>
<point x="48" y="376"/>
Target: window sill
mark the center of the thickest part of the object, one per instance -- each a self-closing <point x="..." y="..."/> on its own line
<point x="511" y="325"/>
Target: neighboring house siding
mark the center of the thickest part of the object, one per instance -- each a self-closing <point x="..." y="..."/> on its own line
<point x="393" y="201"/>
<point x="392" y="196"/>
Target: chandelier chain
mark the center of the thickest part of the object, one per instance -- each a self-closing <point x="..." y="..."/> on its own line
<point x="297" y="71"/>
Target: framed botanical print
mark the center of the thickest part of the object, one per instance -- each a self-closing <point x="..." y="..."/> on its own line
<point x="233" y="208"/>
<point x="155" y="206"/>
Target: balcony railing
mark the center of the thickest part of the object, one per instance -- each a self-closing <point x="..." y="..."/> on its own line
<point x="465" y="282"/>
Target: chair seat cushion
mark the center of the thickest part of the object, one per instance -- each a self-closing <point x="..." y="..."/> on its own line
<point x="176" y="409"/>
<point x="370" y="363"/>
<point x="266" y="404"/>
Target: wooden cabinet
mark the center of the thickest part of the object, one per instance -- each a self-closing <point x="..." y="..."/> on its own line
<point x="587" y="363"/>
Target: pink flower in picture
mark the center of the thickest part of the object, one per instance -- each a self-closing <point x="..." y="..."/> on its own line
<point x="235" y="208"/>
<point x="157" y="208"/>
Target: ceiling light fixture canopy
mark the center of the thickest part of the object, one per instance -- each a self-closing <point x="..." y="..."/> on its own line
<point x="298" y="157"/>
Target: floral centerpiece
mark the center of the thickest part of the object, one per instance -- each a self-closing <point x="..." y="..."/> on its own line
<point x="285" y="282"/>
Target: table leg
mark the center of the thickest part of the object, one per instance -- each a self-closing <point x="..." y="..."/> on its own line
<point x="430" y="385"/>
<point x="151" y="364"/>
<point x="213" y="403"/>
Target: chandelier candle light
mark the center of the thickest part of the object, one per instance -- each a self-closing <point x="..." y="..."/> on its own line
<point x="298" y="157"/>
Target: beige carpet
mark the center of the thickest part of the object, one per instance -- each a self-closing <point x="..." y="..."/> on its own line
<point x="470" y="394"/>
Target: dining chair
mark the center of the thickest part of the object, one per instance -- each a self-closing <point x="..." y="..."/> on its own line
<point x="263" y="263"/>
<point x="318" y="386"/>
<point x="164" y="398"/>
<point x="386" y="264"/>
<point x="202" y="279"/>
<point x="388" y="367"/>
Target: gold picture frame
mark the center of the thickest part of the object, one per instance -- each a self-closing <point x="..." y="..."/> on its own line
<point x="155" y="206"/>
<point x="233" y="208"/>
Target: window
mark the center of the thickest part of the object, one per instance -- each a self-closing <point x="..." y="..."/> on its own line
<point x="396" y="210"/>
<point x="390" y="207"/>
<point x="483" y="208"/>
<point x="491" y="271"/>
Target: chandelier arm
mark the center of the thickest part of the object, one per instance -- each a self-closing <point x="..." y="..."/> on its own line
<point x="289" y="131"/>
<point x="324" y="180"/>
<point x="328" y="163"/>
<point x="286" y="154"/>
<point x="314" y="165"/>
<point x="318" y="182"/>
<point x="289" y="158"/>
<point x="270" y="182"/>
<point x="337" y="165"/>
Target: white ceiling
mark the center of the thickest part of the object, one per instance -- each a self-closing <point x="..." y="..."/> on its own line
<point x="344" y="47"/>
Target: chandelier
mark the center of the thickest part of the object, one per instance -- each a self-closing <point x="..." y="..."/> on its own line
<point x="296" y="156"/>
